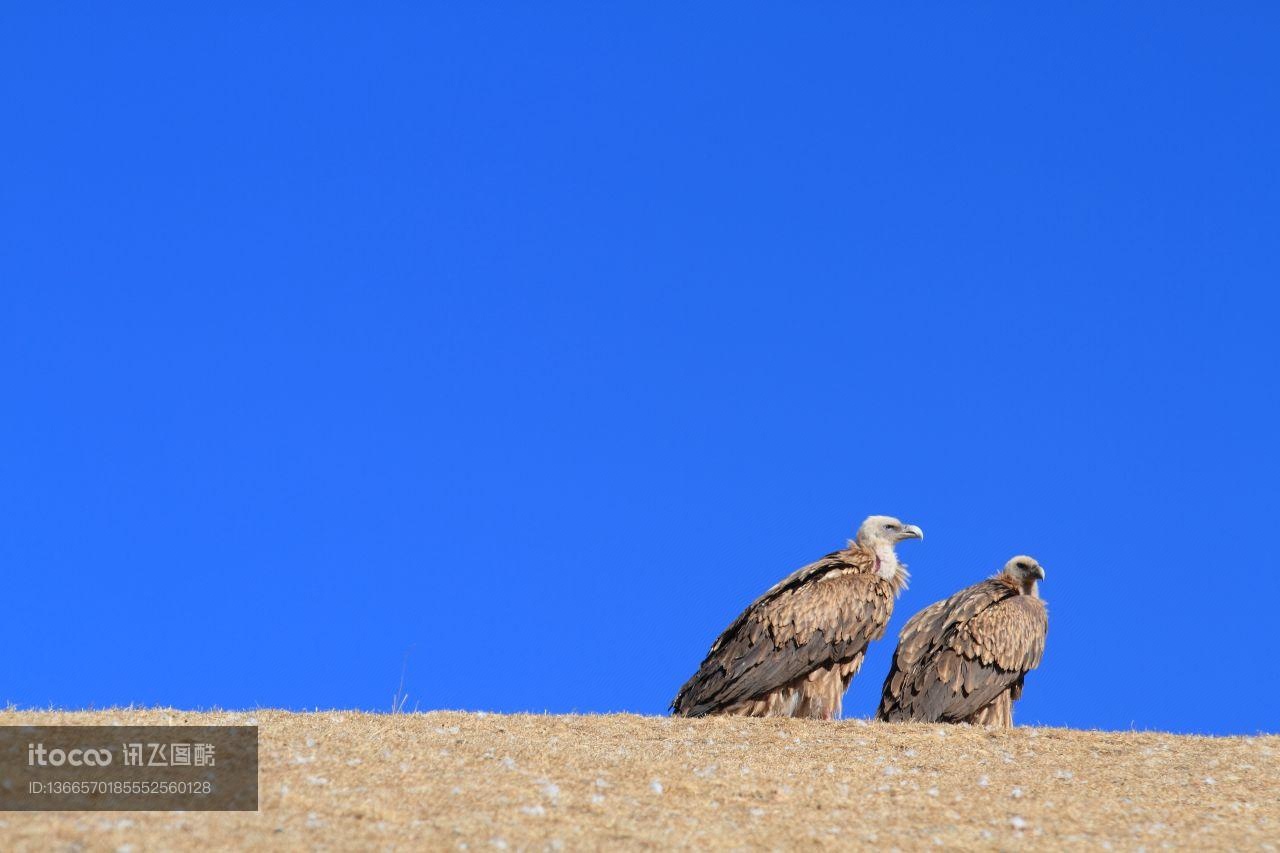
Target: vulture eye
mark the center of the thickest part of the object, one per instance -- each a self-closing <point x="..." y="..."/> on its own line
<point x="1022" y="566"/>
<point x="891" y="527"/>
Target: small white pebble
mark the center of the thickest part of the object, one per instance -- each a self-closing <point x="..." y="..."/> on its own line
<point x="891" y="771"/>
<point x="933" y="792"/>
<point x="317" y="780"/>
<point x="509" y="763"/>
<point x="549" y="789"/>
<point x="1209" y="780"/>
<point x="535" y="810"/>
<point x="655" y="786"/>
<point x="597" y="799"/>
<point x="1017" y="822"/>
<point x="983" y="781"/>
<point x="1016" y="793"/>
<point x="1065" y="774"/>
<point x="600" y="783"/>
<point x="757" y="812"/>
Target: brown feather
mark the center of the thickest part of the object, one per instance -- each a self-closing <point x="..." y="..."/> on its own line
<point x="963" y="659"/>
<point x="792" y="651"/>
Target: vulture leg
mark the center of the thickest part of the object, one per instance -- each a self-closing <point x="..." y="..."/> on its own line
<point x="776" y="703"/>
<point x="822" y="691"/>
<point x="998" y="713"/>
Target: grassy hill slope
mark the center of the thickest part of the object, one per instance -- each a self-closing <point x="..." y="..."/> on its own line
<point x="445" y="780"/>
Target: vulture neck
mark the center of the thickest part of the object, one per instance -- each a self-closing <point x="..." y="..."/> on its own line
<point x="1029" y="587"/>
<point x="888" y="566"/>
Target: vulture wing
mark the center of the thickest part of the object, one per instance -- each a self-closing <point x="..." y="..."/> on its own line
<point x="824" y="613"/>
<point x="957" y="656"/>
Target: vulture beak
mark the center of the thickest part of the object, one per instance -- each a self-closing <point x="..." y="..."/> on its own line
<point x="910" y="531"/>
<point x="1038" y="571"/>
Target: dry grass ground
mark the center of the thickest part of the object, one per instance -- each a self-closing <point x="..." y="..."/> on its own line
<point x="343" y="781"/>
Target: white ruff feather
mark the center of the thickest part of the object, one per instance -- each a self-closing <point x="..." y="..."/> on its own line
<point x="891" y="567"/>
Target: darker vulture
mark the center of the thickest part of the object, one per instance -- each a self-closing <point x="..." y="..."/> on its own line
<point x="793" y="652"/>
<point x="963" y="660"/>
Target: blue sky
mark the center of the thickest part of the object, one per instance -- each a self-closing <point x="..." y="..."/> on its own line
<point x="533" y="345"/>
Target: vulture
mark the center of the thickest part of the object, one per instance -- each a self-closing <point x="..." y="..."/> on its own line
<point x="963" y="660"/>
<point x="794" y="650"/>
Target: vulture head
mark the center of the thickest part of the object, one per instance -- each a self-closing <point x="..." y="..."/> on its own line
<point x="1025" y="571"/>
<point x="886" y="530"/>
<point x="878" y="534"/>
